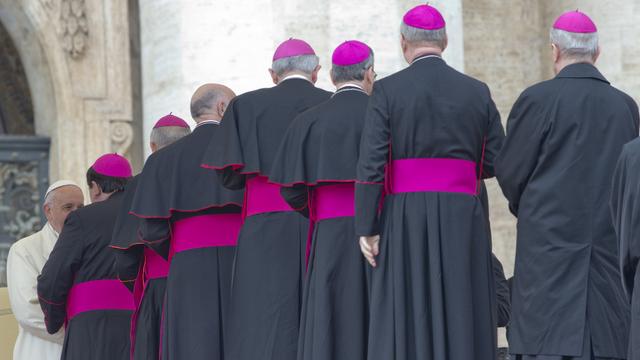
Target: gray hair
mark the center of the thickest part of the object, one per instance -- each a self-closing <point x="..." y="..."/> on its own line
<point x="302" y="63"/>
<point x="166" y="135"/>
<point x="355" y="72"/>
<point x="49" y="199"/>
<point x="206" y="104"/>
<point x="415" y="35"/>
<point x="576" y="46"/>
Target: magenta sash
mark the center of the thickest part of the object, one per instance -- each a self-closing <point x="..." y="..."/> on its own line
<point x="95" y="295"/>
<point x="262" y="196"/>
<point x="433" y="175"/>
<point x="155" y="266"/>
<point x="206" y="231"/>
<point x="332" y="201"/>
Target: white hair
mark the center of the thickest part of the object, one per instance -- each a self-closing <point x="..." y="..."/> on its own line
<point x="575" y="45"/>
<point x="302" y="63"/>
<point x="415" y="35"/>
<point x="166" y="135"/>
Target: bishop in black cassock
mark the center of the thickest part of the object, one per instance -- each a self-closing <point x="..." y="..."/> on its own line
<point x="430" y="134"/>
<point x="269" y="267"/>
<point x="188" y="217"/>
<point x="564" y="136"/>
<point x="316" y="165"/>
<point x="138" y="266"/>
<point x="78" y="287"/>
<point x="626" y="220"/>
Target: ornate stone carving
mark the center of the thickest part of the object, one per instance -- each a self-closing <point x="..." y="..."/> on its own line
<point x="19" y="205"/>
<point x="121" y="134"/>
<point x="74" y="29"/>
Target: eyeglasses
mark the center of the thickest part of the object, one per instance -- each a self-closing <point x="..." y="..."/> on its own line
<point x="375" y="74"/>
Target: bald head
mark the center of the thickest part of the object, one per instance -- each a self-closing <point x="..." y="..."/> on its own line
<point x="210" y="101"/>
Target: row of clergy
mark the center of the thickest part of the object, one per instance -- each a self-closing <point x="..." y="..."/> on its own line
<point x="244" y="239"/>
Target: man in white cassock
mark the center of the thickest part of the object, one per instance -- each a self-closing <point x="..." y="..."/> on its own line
<point x="24" y="263"/>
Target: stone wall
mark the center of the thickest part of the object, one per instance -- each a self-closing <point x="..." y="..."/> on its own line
<point x="186" y="43"/>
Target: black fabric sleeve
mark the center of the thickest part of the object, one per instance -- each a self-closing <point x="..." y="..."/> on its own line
<point x="626" y="218"/>
<point x="156" y="233"/>
<point x="127" y="264"/>
<point x="503" y="294"/>
<point x="297" y="197"/>
<point x="374" y="154"/>
<point x="526" y="132"/>
<point x="56" y="279"/>
<point x="231" y="179"/>
<point x="493" y="141"/>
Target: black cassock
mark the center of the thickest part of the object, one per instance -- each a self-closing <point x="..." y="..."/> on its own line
<point x="625" y="210"/>
<point x="269" y="267"/>
<point x="319" y="154"/>
<point x="503" y="295"/>
<point x="178" y="203"/>
<point x="134" y="269"/>
<point x="564" y="136"/>
<point x="432" y="292"/>
<point x="81" y="266"/>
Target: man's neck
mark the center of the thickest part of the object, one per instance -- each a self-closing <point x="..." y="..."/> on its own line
<point x="295" y="75"/>
<point x="201" y="122"/>
<point x="424" y="51"/>
<point x="563" y="63"/>
<point x="356" y="84"/>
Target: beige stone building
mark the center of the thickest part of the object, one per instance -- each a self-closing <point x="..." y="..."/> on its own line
<point x="94" y="75"/>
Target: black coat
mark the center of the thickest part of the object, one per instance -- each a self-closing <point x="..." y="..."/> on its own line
<point x="82" y="254"/>
<point x="564" y="136"/>
<point x="433" y="294"/>
<point x="626" y="220"/>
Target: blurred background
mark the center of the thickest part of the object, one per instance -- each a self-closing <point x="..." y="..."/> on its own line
<point x="80" y="78"/>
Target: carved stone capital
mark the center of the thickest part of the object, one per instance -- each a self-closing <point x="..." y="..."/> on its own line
<point x="121" y="135"/>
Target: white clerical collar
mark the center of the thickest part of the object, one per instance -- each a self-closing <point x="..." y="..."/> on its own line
<point x="49" y="227"/>
<point x="425" y="57"/>
<point x="205" y="122"/>
<point x="349" y="87"/>
<point x="294" y="76"/>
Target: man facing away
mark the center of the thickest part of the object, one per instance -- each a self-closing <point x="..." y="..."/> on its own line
<point x="24" y="263"/>
<point x="316" y="165"/>
<point x="78" y="287"/>
<point x="626" y="220"/>
<point x="187" y="216"/>
<point x="564" y="136"/>
<point x="430" y="134"/>
<point x="138" y="266"/>
<point x="269" y="267"/>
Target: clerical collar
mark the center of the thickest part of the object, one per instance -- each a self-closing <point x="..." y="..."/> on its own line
<point x="425" y="57"/>
<point x="205" y="122"/>
<point x="294" y="76"/>
<point x="349" y="87"/>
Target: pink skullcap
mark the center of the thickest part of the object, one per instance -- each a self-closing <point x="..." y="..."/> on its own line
<point x="350" y="53"/>
<point x="575" y="22"/>
<point x="424" y="17"/>
<point x="293" y="47"/>
<point x="112" y="165"/>
<point x="170" y="120"/>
